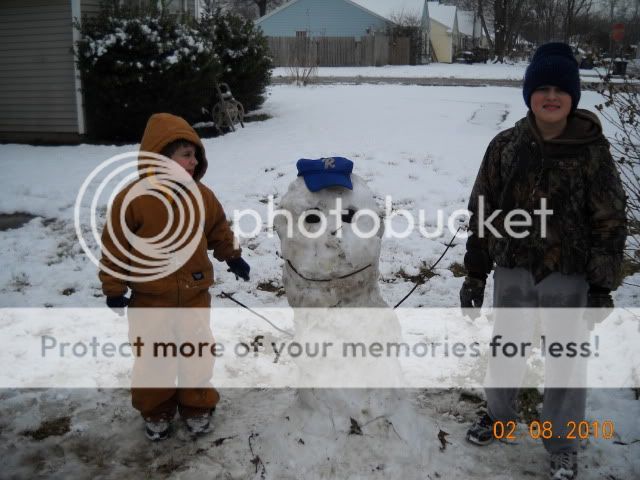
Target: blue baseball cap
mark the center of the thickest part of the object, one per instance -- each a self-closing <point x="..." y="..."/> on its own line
<point x="326" y="172"/>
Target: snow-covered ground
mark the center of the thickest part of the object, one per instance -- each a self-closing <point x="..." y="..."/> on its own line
<point x="480" y="71"/>
<point x="421" y="145"/>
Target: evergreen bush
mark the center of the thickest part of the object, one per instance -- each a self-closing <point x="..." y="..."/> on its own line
<point x="135" y="63"/>
<point x="243" y="52"/>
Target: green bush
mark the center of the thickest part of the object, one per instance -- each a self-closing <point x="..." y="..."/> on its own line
<point x="134" y="64"/>
<point x="244" y="55"/>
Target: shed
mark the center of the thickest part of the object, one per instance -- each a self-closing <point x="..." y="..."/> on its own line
<point x="444" y="33"/>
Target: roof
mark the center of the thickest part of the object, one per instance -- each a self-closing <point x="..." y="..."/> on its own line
<point x="357" y="3"/>
<point x="465" y="22"/>
<point x="390" y="9"/>
<point x="443" y="14"/>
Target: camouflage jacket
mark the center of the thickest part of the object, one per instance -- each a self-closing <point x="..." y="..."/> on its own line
<point x="577" y="177"/>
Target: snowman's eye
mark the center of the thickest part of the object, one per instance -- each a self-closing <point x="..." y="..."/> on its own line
<point x="311" y="217"/>
<point x="348" y="217"/>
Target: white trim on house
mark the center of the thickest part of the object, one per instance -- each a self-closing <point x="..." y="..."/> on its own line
<point x="77" y="14"/>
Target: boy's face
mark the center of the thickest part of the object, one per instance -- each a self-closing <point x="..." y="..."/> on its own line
<point x="550" y="104"/>
<point x="185" y="156"/>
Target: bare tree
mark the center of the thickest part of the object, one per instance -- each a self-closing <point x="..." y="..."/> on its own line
<point x="547" y="15"/>
<point x="262" y="7"/>
<point x="573" y="8"/>
<point x="252" y="8"/>
<point x="500" y="27"/>
<point x="584" y="22"/>
<point x="483" y="22"/>
<point x="621" y="108"/>
<point x="508" y="19"/>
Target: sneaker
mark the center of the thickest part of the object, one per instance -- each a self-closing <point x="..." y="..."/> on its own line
<point x="481" y="432"/>
<point x="198" y="424"/>
<point x="156" y="430"/>
<point x="564" y="466"/>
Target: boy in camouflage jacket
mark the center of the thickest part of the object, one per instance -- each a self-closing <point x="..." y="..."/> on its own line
<point x="571" y="258"/>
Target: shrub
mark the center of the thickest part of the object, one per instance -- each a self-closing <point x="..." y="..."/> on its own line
<point x="134" y="64"/>
<point x="243" y="52"/>
<point x="621" y="108"/>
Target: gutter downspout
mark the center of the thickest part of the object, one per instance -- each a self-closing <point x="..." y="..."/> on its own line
<point x="76" y="13"/>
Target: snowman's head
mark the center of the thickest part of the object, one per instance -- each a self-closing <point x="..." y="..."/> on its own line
<point x="330" y="243"/>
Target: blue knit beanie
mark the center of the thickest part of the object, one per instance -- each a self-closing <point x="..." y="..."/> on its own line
<point x="553" y="64"/>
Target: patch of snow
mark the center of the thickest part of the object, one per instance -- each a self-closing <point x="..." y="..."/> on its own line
<point x="414" y="143"/>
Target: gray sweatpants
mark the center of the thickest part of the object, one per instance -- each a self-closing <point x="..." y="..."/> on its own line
<point x="515" y="288"/>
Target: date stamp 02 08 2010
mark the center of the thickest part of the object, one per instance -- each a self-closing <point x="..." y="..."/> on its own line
<point x="572" y="430"/>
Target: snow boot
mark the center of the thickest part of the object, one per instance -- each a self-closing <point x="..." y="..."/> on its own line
<point x="199" y="424"/>
<point x="156" y="430"/>
<point x="481" y="432"/>
<point x="564" y="466"/>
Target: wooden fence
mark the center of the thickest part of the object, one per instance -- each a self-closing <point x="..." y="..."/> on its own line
<point x="373" y="50"/>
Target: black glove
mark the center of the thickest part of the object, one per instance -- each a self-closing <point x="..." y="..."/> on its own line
<point x="599" y="305"/>
<point x="117" y="304"/>
<point x="472" y="296"/>
<point x="239" y="268"/>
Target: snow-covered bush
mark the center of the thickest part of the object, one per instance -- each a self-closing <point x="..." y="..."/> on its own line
<point x="243" y="52"/>
<point x="134" y="64"/>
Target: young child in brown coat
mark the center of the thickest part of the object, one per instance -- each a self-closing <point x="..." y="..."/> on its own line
<point x="149" y="208"/>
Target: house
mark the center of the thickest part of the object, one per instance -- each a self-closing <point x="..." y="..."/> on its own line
<point x="346" y="18"/>
<point x="444" y="33"/>
<point x="40" y="88"/>
<point x="322" y="18"/>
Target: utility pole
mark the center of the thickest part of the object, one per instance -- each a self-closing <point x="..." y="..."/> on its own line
<point x="611" y="5"/>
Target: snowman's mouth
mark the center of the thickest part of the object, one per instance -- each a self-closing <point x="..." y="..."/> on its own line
<point x="326" y="279"/>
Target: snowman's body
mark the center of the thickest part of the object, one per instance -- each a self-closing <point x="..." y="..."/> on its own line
<point x="325" y="278"/>
<point x="340" y="272"/>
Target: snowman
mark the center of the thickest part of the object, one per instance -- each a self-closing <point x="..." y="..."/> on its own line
<point x="330" y="245"/>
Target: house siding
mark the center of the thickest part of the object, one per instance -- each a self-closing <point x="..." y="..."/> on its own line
<point x="37" y="91"/>
<point x="321" y="18"/>
<point x="441" y="41"/>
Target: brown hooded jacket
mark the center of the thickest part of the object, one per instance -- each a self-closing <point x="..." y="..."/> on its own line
<point x="148" y="216"/>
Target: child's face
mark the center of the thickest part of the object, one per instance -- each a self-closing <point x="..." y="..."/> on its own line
<point x="185" y="156"/>
<point x="550" y="104"/>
